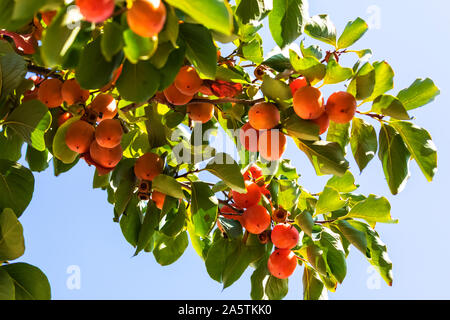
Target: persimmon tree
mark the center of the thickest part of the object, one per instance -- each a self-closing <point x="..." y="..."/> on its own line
<point x="136" y="89"/>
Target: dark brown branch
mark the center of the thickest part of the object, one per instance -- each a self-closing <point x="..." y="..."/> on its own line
<point x="226" y="100"/>
<point x="44" y="72"/>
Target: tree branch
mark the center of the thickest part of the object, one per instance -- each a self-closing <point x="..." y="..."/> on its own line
<point x="44" y="72"/>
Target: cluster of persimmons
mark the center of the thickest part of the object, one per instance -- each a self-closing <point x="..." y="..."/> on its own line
<point x="256" y="219"/>
<point x="261" y="133"/>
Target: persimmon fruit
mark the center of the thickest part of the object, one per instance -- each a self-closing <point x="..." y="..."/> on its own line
<point x="272" y="144"/>
<point x="282" y="263"/>
<point x="341" y="107"/>
<point x="246" y="200"/>
<point x="96" y="11"/>
<point x="298" y="83"/>
<point x="200" y="111"/>
<point x="230" y="213"/>
<point x="72" y="92"/>
<point x="105" y="106"/>
<point x="148" y="166"/>
<point x="109" y="133"/>
<point x="106" y="157"/>
<point x="323" y="122"/>
<point x="158" y="198"/>
<point x="79" y="136"/>
<point x="308" y="103"/>
<point x="263" y="116"/>
<point x="253" y="173"/>
<point x="147" y="17"/>
<point x="175" y="97"/>
<point x="63" y="118"/>
<point x="256" y="219"/>
<point x="49" y="93"/>
<point x="188" y="81"/>
<point x="284" y="236"/>
<point x="249" y="137"/>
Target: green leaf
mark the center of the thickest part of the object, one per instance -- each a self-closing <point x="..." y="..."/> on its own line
<point x="335" y="73"/>
<point x="277" y="91"/>
<point x="326" y="157"/>
<point x="259" y="279"/>
<point x="276" y="289"/>
<point x="286" y="21"/>
<point x="138" y="82"/>
<point x="200" y="49"/>
<point x="213" y="14"/>
<point x="204" y="208"/>
<point x="390" y="106"/>
<point x="367" y="240"/>
<point x="168" y="185"/>
<point x="278" y="62"/>
<point x="394" y="157"/>
<point x="168" y="250"/>
<point x="232" y="228"/>
<point x="157" y="132"/>
<point x="363" y="141"/>
<point x="171" y="28"/>
<point x="13" y="69"/>
<point x="353" y="31"/>
<point x="112" y="41"/>
<point x="305" y="221"/>
<point x="420" y="93"/>
<point x="58" y="39"/>
<point x="16" y="186"/>
<point x="30" y="120"/>
<point x="130" y="223"/>
<point x="321" y="28"/>
<point x="300" y="128"/>
<point x="100" y="181"/>
<point x="148" y="227"/>
<point x="373" y="209"/>
<point x="217" y="256"/>
<point x="124" y="180"/>
<point x="137" y="47"/>
<point x="12" y="243"/>
<point x="30" y="282"/>
<point x="253" y="50"/>
<point x="313" y="287"/>
<point x="7" y="289"/>
<point x="37" y="160"/>
<point x="11" y="145"/>
<point x="175" y="221"/>
<point x="311" y="51"/>
<point x="170" y="70"/>
<point x="346" y="183"/>
<point x="250" y="10"/>
<point x="309" y="67"/>
<point x="334" y="253"/>
<point x="384" y="79"/>
<point x="420" y="145"/>
<point x="93" y="70"/>
<point x="329" y="200"/>
<point x="224" y="167"/>
<point x="339" y="133"/>
<point x="363" y="84"/>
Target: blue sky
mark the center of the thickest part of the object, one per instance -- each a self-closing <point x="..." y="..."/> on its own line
<point x="68" y="223"/>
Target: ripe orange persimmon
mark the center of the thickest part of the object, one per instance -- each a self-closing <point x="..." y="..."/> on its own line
<point x="96" y="11"/>
<point x="200" y="111"/>
<point x="298" y="83"/>
<point x="264" y="115"/>
<point x="256" y="219"/>
<point x="148" y="166"/>
<point x="106" y="157"/>
<point x="175" y="97"/>
<point x="284" y="236"/>
<point x="109" y="133"/>
<point x="159" y="198"/>
<point x="282" y="263"/>
<point x="72" y="93"/>
<point x="50" y="93"/>
<point x="246" y="200"/>
<point x="63" y="118"/>
<point x="253" y="173"/>
<point x="105" y="105"/>
<point x="187" y="81"/>
<point x="249" y="137"/>
<point x="308" y="103"/>
<point x="341" y="107"/>
<point x="323" y="122"/>
<point x="147" y="17"/>
<point x="79" y="136"/>
<point x="272" y="144"/>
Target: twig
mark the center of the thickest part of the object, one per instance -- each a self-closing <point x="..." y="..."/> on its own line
<point x="44" y="71"/>
<point x="226" y="100"/>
